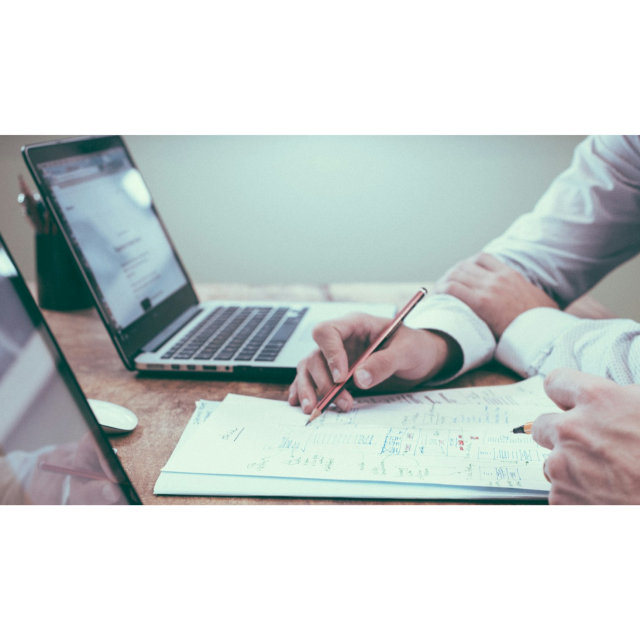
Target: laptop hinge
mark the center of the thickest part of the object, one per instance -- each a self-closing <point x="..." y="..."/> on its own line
<point x="171" y="330"/>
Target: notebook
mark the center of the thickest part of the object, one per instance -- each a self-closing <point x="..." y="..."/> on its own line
<point x="452" y="444"/>
<point x="140" y="286"/>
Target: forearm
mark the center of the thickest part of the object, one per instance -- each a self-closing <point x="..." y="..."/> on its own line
<point x="586" y="224"/>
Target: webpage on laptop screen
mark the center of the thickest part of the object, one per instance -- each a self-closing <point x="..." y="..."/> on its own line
<point x="107" y="208"/>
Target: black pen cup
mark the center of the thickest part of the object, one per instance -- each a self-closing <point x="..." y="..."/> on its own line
<point x="61" y="286"/>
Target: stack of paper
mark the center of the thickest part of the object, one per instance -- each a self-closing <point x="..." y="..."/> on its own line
<point x="442" y="444"/>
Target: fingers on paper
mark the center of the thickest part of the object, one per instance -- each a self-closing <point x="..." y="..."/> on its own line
<point x="306" y="388"/>
<point x="330" y="337"/>
<point x="293" y="394"/>
<point x="323" y="380"/>
<point x="313" y="381"/>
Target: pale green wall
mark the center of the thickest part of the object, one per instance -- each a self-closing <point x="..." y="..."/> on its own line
<point x="332" y="208"/>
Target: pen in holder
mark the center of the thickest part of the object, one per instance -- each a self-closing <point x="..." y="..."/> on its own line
<point x="61" y="286"/>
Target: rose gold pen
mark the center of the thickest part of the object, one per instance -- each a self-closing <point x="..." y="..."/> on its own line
<point x="395" y="323"/>
<point x="68" y="471"/>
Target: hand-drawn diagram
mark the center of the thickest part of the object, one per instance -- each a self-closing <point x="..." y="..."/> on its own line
<point x="452" y="437"/>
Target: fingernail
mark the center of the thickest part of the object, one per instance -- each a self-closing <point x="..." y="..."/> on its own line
<point x="305" y="404"/>
<point x="343" y="404"/>
<point x="336" y="375"/>
<point x="363" y="377"/>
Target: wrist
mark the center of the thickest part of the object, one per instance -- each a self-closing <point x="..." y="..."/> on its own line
<point x="447" y="355"/>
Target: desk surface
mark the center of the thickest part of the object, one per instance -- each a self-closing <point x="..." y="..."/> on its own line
<point x="164" y="405"/>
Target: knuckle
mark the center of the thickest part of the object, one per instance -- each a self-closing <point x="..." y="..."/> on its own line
<point x="451" y="288"/>
<point x="321" y="331"/>
<point x="568" y="428"/>
<point x="557" y="467"/>
<point x="591" y="392"/>
<point x="355" y="319"/>
<point x="484" y="298"/>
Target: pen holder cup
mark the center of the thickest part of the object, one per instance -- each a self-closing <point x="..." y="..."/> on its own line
<point x="61" y="286"/>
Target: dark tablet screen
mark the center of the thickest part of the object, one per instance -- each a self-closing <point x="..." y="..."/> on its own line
<point x="52" y="450"/>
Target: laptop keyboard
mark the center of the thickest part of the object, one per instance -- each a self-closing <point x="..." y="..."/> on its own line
<point x="238" y="333"/>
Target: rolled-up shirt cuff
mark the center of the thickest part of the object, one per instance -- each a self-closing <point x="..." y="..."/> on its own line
<point x="528" y="340"/>
<point x="451" y="316"/>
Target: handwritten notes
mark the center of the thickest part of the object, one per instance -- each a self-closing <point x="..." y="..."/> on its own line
<point x="451" y="437"/>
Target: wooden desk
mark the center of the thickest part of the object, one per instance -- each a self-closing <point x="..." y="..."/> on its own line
<point x="164" y="405"/>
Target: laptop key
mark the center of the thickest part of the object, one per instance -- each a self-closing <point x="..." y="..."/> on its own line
<point x="224" y="334"/>
<point x="277" y="342"/>
<point x="240" y="338"/>
<point x="262" y="335"/>
<point x="183" y="341"/>
<point x="221" y="322"/>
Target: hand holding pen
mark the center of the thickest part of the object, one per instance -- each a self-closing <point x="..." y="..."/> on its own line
<point x="407" y="358"/>
<point x="82" y="469"/>
<point x="374" y="346"/>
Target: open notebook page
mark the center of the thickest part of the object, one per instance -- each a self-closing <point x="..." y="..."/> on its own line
<point x="452" y="437"/>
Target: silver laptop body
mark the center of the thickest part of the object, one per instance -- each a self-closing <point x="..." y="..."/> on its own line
<point x="139" y="284"/>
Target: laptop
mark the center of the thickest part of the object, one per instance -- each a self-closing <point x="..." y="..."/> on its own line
<point x="140" y="286"/>
<point x="52" y="450"/>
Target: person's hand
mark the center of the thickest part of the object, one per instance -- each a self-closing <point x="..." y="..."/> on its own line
<point x="495" y="292"/>
<point x="46" y="487"/>
<point x="407" y="358"/>
<point x="87" y="456"/>
<point x="595" y="443"/>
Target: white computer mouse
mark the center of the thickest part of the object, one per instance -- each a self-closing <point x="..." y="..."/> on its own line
<point x="113" y="418"/>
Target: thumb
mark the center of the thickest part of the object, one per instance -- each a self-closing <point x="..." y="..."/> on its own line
<point x="566" y="387"/>
<point x="378" y="367"/>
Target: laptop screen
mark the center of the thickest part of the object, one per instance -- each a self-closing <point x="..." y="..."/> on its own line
<point x="100" y="201"/>
<point x="51" y="449"/>
<point x="109" y="216"/>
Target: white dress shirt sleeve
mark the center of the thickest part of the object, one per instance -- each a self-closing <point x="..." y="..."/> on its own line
<point x="544" y="339"/>
<point x="452" y="316"/>
<point x="585" y="225"/>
